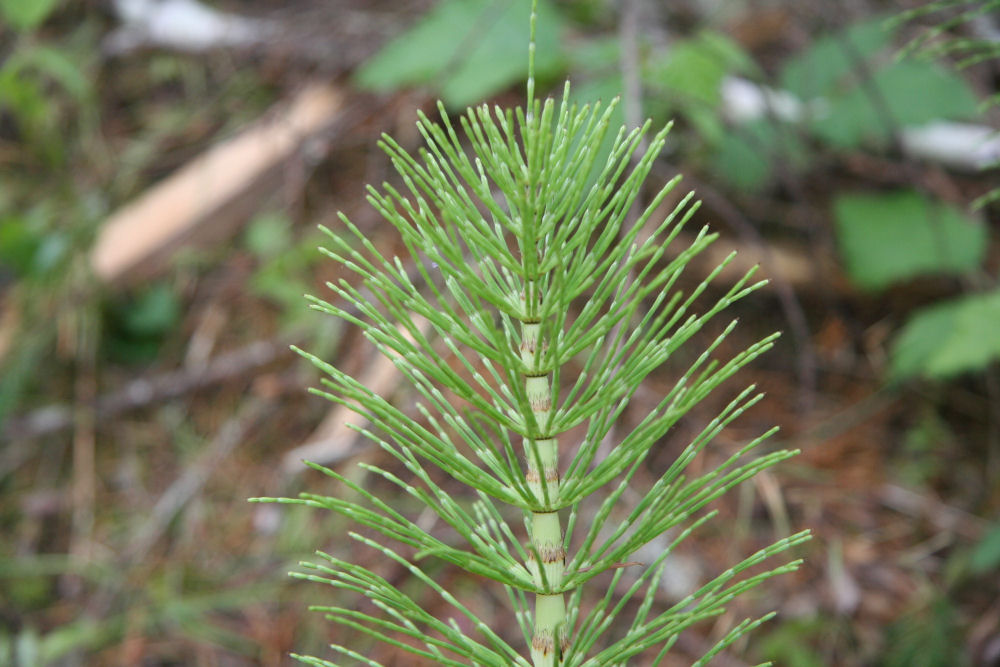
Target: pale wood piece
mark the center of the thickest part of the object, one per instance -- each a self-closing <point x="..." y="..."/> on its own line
<point x="206" y="197"/>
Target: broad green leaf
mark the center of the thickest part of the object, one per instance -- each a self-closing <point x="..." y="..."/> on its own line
<point x="817" y="71"/>
<point x="26" y="14"/>
<point x="467" y="50"/>
<point x="909" y="93"/>
<point x="890" y="237"/>
<point x="949" y="338"/>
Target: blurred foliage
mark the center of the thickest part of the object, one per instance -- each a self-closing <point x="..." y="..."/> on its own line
<point x="889" y="237"/>
<point x="747" y="158"/>
<point x="985" y="557"/>
<point x="137" y="324"/>
<point x="467" y="50"/>
<point x="948" y="338"/>
<point x="284" y="269"/>
<point x="809" y="641"/>
<point x="928" y="636"/>
<point x="938" y="40"/>
<point x="26" y="15"/>
<point x="686" y="81"/>
<point x="923" y="457"/>
<point x="29" y="245"/>
<point x="945" y="16"/>
<point x="45" y="85"/>
<point x="906" y="93"/>
<point x="831" y="61"/>
<point x="854" y="94"/>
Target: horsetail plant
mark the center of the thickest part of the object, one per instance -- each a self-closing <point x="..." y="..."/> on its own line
<point x="542" y="310"/>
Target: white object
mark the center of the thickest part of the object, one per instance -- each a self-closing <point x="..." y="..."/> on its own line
<point x="185" y="25"/>
<point x="957" y="145"/>
<point x="744" y="101"/>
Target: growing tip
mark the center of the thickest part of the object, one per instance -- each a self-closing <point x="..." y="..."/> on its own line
<point x="531" y="60"/>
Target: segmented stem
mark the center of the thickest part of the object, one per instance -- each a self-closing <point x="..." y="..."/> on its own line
<point x="547" y="559"/>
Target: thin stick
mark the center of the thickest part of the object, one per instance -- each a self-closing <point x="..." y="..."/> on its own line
<point x="233" y="432"/>
<point x="144" y="391"/>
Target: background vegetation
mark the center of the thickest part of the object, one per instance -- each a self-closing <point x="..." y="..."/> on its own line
<point x="137" y="414"/>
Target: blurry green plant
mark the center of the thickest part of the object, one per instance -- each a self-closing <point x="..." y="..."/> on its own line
<point x="32" y="72"/>
<point x="950" y="14"/>
<point x="174" y="602"/>
<point x="890" y="237"/>
<point x="687" y="79"/>
<point x="853" y="94"/>
<point x="935" y="42"/>
<point x="530" y="271"/>
<point x="283" y="273"/>
<point x="136" y="325"/>
<point x="927" y="636"/>
<point x="948" y="338"/>
<point x="24" y="16"/>
<point x="466" y="50"/>
<point x="804" y="642"/>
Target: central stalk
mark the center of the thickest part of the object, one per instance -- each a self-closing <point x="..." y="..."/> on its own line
<point x="547" y="558"/>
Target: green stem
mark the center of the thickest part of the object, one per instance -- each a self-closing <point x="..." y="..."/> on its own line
<point x="547" y="559"/>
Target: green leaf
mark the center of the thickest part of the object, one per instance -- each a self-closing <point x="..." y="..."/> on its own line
<point x="28" y="247"/>
<point x="986" y="554"/>
<point x="467" y="50"/>
<point x="747" y="155"/>
<point x="818" y="71"/>
<point x="55" y="64"/>
<point x="152" y="313"/>
<point x="687" y="80"/>
<point x="949" y="338"/>
<point x="694" y="68"/>
<point x="268" y="235"/>
<point x="909" y="93"/>
<point x="18" y="245"/>
<point x="26" y="14"/>
<point x="891" y="237"/>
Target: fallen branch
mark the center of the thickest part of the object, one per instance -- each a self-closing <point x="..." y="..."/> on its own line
<point x="233" y="432"/>
<point x="145" y="391"/>
<point x="206" y="198"/>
